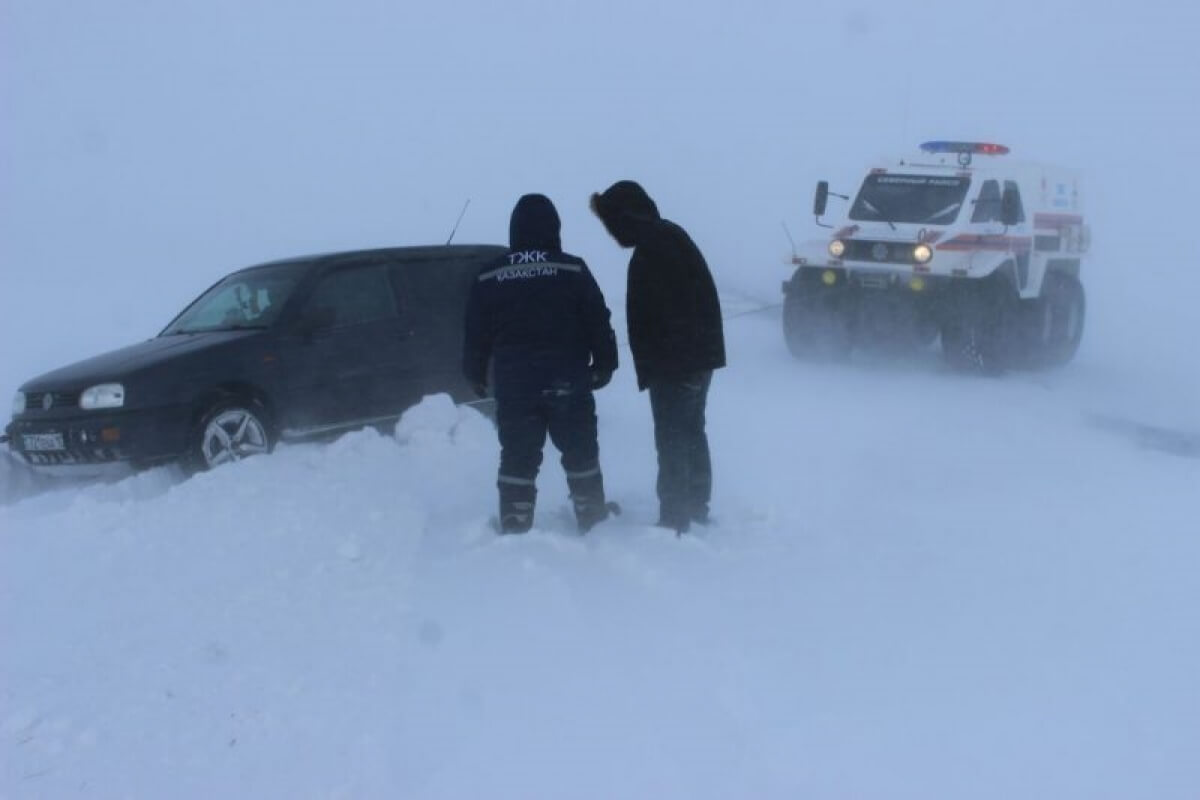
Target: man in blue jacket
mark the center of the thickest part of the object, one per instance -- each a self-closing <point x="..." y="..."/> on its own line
<point x="539" y="316"/>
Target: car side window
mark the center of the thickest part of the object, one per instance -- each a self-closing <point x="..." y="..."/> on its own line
<point x="987" y="206"/>
<point x="355" y="296"/>
<point x="1011" y="186"/>
<point x="434" y="292"/>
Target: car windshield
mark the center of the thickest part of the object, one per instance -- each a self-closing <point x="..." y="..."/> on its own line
<point x="244" y="300"/>
<point x="919" y="199"/>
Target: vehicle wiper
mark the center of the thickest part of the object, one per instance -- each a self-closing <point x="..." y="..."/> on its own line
<point x="878" y="213"/>
<point x="946" y="210"/>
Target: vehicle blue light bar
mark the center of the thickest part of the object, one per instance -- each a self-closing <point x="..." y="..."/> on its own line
<point x="983" y="148"/>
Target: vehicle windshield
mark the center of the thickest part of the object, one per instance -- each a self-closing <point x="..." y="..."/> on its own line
<point x="918" y="199"/>
<point x="244" y="300"/>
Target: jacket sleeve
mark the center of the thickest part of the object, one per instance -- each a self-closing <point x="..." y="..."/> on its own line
<point x="601" y="339"/>
<point x="477" y="338"/>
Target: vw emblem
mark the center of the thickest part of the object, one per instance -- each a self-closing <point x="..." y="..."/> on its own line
<point x="47" y="401"/>
<point x="879" y="251"/>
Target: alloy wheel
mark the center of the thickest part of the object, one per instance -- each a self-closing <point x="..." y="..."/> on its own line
<point x="231" y="435"/>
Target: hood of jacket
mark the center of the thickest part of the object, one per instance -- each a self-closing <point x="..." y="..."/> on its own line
<point x="626" y="210"/>
<point x="534" y="224"/>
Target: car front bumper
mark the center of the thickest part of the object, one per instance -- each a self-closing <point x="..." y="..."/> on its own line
<point x="142" y="435"/>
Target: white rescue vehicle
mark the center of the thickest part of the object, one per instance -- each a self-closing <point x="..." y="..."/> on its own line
<point x="960" y="242"/>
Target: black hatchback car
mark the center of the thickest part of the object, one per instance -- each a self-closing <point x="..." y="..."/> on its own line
<point x="285" y="350"/>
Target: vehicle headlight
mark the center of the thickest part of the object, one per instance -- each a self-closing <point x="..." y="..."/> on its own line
<point x="922" y="253"/>
<point x="836" y="248"/>
<point x="105" y="395"/>
<point x="18" y="403"/>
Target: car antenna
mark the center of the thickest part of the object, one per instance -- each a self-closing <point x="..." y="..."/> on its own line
<point x="454" y="230"/>
<point x="788" y="233"/>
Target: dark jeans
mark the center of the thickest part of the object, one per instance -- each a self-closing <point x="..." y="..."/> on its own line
<point x="523" y="422"/>
<point x="684" y="464"/>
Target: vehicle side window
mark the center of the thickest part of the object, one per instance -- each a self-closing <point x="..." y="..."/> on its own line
<point x="1011" y="186"/>
<point x="987" y="206"/>
<point x="437" y="288"/>
<point x="355" y="296"/>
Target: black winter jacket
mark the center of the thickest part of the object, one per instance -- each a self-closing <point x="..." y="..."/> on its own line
<point x="537" y="312"/>
<point x="671" y="303"/>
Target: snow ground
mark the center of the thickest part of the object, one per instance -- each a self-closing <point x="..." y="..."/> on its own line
<point x="921" y="585"/>
<point x="903" y="598"/>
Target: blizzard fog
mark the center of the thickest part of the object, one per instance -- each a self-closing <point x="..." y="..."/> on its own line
<point x="149" y="148"/>
<point x="920" y="585"/>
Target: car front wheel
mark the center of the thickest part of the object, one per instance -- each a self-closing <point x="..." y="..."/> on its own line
<point x="977" y="331"/>
<point x="230" y="431"/>
<point x="815" y="328"/>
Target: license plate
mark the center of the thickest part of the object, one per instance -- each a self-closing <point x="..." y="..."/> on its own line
<point x="43" y="441"/>
<point x="874" y="281"/>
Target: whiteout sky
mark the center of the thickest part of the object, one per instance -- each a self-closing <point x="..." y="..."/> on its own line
<point x="148" y="148"/>
<point x="921" y="585"/>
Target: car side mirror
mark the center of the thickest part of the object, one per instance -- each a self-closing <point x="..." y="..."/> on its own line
<point x="821" y="198"/>
<point x="1010" y="207"/>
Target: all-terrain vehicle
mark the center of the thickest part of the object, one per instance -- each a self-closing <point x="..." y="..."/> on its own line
<point x="958" y="242"/>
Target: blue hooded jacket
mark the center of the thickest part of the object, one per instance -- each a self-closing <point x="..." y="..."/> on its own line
<point x="537" y="313"/>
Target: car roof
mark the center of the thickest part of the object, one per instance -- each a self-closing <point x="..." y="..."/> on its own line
<point x="426" y="253"/>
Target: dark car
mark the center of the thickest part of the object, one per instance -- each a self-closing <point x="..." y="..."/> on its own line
<point x="285" y="350"/>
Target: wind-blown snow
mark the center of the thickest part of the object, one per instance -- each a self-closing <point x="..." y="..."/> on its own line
<point x="920" y="601"/>
<point x="921" y="584"/>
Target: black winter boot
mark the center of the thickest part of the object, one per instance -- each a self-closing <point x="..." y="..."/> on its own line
<point x="674" y="520"/>
<point x="587" y="495"/>
<point x="516" y="507"/>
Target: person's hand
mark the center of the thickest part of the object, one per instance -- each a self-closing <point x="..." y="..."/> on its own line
<point x="600" y="378"/>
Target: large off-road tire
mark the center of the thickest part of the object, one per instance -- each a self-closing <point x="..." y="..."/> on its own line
<point x="1059" y="317"/>
<point x="230" y="430"/>
<point x="814" y="328"/>
<point x="977" y="333"/>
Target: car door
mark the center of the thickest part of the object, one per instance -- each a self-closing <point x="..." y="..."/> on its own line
<point x="434" y="293"/>
<point x="1019" y="241"/>
<point x="349" y="353"/>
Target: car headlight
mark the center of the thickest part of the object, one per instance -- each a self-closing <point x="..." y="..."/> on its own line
<point x="836" y="248"/>
<point x="105" y="395"/>
<point x="922" y="253"/>
<point x="18" y="403"/>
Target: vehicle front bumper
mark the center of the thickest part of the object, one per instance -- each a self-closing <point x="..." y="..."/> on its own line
<point x="849" y="276"/>
<point x="143" y="435"/>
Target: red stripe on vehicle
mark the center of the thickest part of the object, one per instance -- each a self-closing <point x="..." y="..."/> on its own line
<point x="985" y="242"/>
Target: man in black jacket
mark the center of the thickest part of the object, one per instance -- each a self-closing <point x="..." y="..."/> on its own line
<point x="677" y="340"/>
<point x="540" y="317"/>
